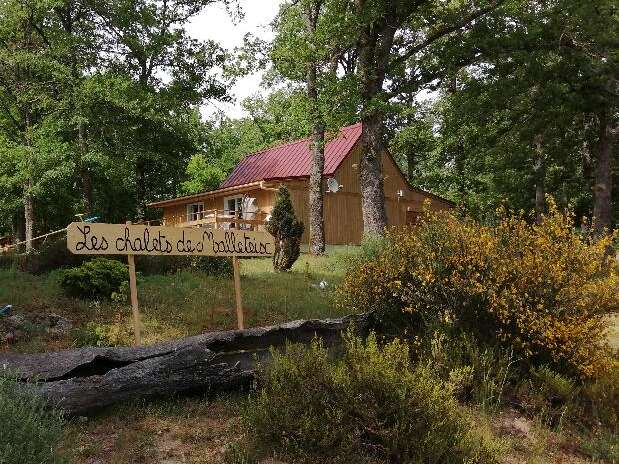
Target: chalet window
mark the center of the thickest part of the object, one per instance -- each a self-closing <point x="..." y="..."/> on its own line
<point x="233" y="205"/>
<point x="195" y="211"/>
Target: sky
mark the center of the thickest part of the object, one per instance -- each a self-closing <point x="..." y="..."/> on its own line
<point x="214" y="23"/>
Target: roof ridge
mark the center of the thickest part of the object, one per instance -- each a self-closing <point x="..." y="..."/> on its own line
<point x="293" y="142"/>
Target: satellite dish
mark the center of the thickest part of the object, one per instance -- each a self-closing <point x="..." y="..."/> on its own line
<point x="332" y="185"/>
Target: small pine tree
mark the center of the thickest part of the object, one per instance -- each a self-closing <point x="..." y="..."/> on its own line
<point x="287" y="231"/>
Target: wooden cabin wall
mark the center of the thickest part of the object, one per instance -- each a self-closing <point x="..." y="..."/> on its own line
<point x="343" y="219"/>
<point x="299" y="195"/>
<point x="174" y="214"/>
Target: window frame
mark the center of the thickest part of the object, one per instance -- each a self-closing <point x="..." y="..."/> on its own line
<point x="195" y="215"/>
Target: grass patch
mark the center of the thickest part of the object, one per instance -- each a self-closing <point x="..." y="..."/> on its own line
<point x="181" y="304"/>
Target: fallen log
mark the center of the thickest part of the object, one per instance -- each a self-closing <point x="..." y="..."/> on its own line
<point x="82" y="380"/>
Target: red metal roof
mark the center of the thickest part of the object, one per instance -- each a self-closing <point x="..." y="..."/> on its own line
<point x="292" y="159"/>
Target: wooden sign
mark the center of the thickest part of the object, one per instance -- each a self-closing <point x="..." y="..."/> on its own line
<point x="129" y="239"/>
<point x="86" y="238"/>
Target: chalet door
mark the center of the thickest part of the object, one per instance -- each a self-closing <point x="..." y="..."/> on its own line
<point x="232" y="207"/>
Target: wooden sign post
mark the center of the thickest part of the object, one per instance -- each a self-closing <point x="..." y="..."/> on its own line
<point x="132" y="239"/>
<point x="133" y="290"/>
<point x="237" y="292"/>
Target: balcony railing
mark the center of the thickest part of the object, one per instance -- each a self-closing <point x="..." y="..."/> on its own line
<point x="225" y="218"/>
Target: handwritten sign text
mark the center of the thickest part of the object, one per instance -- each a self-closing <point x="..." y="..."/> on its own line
<point x="123" y="239"/>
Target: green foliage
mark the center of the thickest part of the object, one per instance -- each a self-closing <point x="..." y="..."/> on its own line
<point x="369" y="403"/>
<point x="532" y="86"/>
<point x="30" y="432"/>
<point x="96" y="334"/>
<point x="202" y="175"/>
<point x="94" y="279"/>
<point x="83" y="131"/>
<point x="549" y="396"/>
<point x="287" y="231"/>
<point x="8" y="260"/>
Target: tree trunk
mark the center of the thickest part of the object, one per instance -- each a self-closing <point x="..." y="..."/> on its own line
<point x="374" y="46"/>
<point x="603" y="186"/>
<point x="410" y="164"/>
<point x="459" y="156"/>
<point x="316" y="213"/>
<point x="587" y="158"/>
<point x="18" y="227"/>
<point x="317" y="223"/>
<point x="84" y="172"/>
<point x="371" y="176"/>
<point x="140" y="188"/>
<point x="540" y="175"/>
<point x="28" y="215"/>
<point x="83" y="380"/>
<point x="28" y="200"/>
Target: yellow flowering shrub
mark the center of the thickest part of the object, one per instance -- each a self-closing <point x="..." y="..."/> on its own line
<point x="545" y="290"/>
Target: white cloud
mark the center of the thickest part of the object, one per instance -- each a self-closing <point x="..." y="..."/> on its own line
<point x="214" y="23"/>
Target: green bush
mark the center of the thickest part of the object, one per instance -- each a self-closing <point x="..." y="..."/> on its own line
<point x="97" y="278"/>
<point x="28" y="432"/>
<point x="548" y="395"/>
<point x="369" y="403"/>
<point x="8" y="260"/>
<point x="214" y="266"/>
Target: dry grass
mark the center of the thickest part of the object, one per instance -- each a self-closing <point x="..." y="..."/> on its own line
<point x="188" y="431"/>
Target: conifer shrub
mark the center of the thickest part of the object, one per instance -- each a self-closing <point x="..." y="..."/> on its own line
<point x="287" y="231"/>
<point x="367" y="404"/>
<point x="97" y="278"/>
<point x="29" y="433"/>
<point x="544" y="291"/>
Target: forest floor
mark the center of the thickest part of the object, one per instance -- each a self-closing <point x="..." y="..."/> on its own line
<point x="204" y="429"/>
<point x="200" y="430"/>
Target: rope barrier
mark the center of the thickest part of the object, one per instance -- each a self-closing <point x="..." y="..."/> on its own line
<point x="15" y="245"/>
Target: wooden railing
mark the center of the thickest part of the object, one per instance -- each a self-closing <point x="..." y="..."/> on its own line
<point x="213" y="218"/>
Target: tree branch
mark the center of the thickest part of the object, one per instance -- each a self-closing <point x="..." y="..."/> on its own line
<point x="443" y="32"/>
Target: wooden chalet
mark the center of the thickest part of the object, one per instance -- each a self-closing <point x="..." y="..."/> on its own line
<point x="249" y="191"/>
